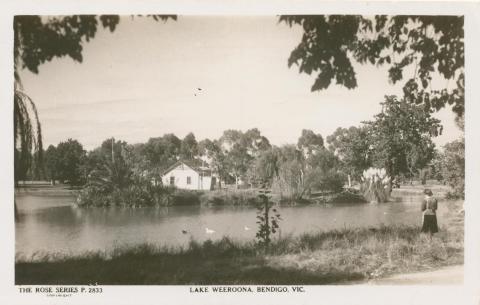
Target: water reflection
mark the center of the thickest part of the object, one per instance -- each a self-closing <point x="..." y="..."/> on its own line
<point x="54" y="224"/>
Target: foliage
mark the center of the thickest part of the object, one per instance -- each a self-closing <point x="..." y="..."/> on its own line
<point x="27" y="132"/>
<point x="51" y="163"/>
<point x="188" y="147"/>
<point x="184" y="197"/>
<point x="453" y="167"/>
<point x="325" y="181"/>
<point x="346" y="196"/>
<point x="298" y="174"/>
<point x="162" y="151"/>
<point x="229" y="197"/>
<point x="400" y="137"/>
<point x="70" y="157"/>
<point x="376" y="185"/>
<point x="40" y="39"/>
<point x="211" y="152"/>
<point x="289" y="181"/>
<point x="240" y="149"/>
<point x="322" y="159"/>
<point x="267" y="221"/>
<point x="351" y="146"/>
<point x="264" y="168"/>
<point x="138" y="193"/>
<point x="254" y="141"/>
<point x="427" y="44"/>
<point x="309" y="142"/>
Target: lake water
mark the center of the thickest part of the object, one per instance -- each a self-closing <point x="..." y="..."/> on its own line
<point x="53" y="224"/>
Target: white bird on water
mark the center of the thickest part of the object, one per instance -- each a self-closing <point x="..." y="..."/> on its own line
<point x="247" y="228"/>
<point x="209" y="231"/>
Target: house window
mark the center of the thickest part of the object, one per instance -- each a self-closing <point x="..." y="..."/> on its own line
<point x="189" y="180"/>
<point x="172" y="180"/>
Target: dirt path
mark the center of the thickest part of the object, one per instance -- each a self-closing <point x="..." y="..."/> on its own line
<point x="446" y="276"/>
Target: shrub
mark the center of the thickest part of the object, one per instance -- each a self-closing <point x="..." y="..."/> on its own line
<point x="329" y="181"/>
<point x="138" y="193"/>
<point x="184" y="197"/>
<point x="230" y="197"/>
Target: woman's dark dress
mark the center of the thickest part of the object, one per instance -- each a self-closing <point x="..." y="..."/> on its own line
<point x="429" y="208"/>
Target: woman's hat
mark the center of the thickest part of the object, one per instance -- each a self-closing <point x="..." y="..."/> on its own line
<point x="428" y="192"/>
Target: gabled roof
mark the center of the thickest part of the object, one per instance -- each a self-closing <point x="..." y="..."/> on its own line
<point x="190" y="164"/>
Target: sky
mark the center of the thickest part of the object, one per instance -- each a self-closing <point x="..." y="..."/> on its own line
<point x="142" y="81"/>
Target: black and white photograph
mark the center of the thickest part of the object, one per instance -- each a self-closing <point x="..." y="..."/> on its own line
<point x="240" y="152"/>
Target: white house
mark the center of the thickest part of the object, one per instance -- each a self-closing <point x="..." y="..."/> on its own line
<point x="186" y="176"/>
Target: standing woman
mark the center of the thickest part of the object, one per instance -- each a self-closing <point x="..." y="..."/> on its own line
<point x="429" y="209"/>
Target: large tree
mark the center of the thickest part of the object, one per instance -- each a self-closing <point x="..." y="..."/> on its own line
<point x="289" y="179"/>
<point x="401" y="137"/>
<point x="161" y="152"/>
<point x="189" y="147"/>
<point x="51" y="163"/>
<point x="210" y="152"/>
<point x="265" y="167"/>
<point x="310" y="142"/>
<point x="453" y="166"/>
<point x="240" y="149"/>
<point x="71" y="157"/>
<point x="426" y="44"/>
<point x="351" y="146"/>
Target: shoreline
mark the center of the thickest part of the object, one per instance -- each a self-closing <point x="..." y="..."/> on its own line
<point x="211" y="198"/>
<point x="330" y="257"/>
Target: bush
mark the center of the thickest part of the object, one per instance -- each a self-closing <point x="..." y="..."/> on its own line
<point x="330" y="181"/>
<point x="184" y="197"/>
<point x="347" y="197"/>
<point x="230" y="197"/>
<point x="139" y="193"/>
<point x="92" y="195"/>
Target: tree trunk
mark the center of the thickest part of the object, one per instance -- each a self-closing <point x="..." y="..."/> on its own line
<point x="390" y="185"/>
<point x="349" y="181"/>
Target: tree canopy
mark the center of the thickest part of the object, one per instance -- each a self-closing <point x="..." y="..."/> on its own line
<point x="70" y="157"/>
<point x="189" y="147"/>
<point x="39" y="39"/>
<point x="352" y="147"/>
<point x="400" y="137"/>
<point x="428" y="44"/>
<point x="309" y="142"/>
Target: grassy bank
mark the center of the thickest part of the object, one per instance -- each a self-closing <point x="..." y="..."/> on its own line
<point x="44" y="189"/>
<point x="439" y="190"/>
<point x="321" y="258"/>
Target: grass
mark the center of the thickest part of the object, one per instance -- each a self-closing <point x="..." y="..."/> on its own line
<point x="321" y="258"/>
<point x="439" y="190"/>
